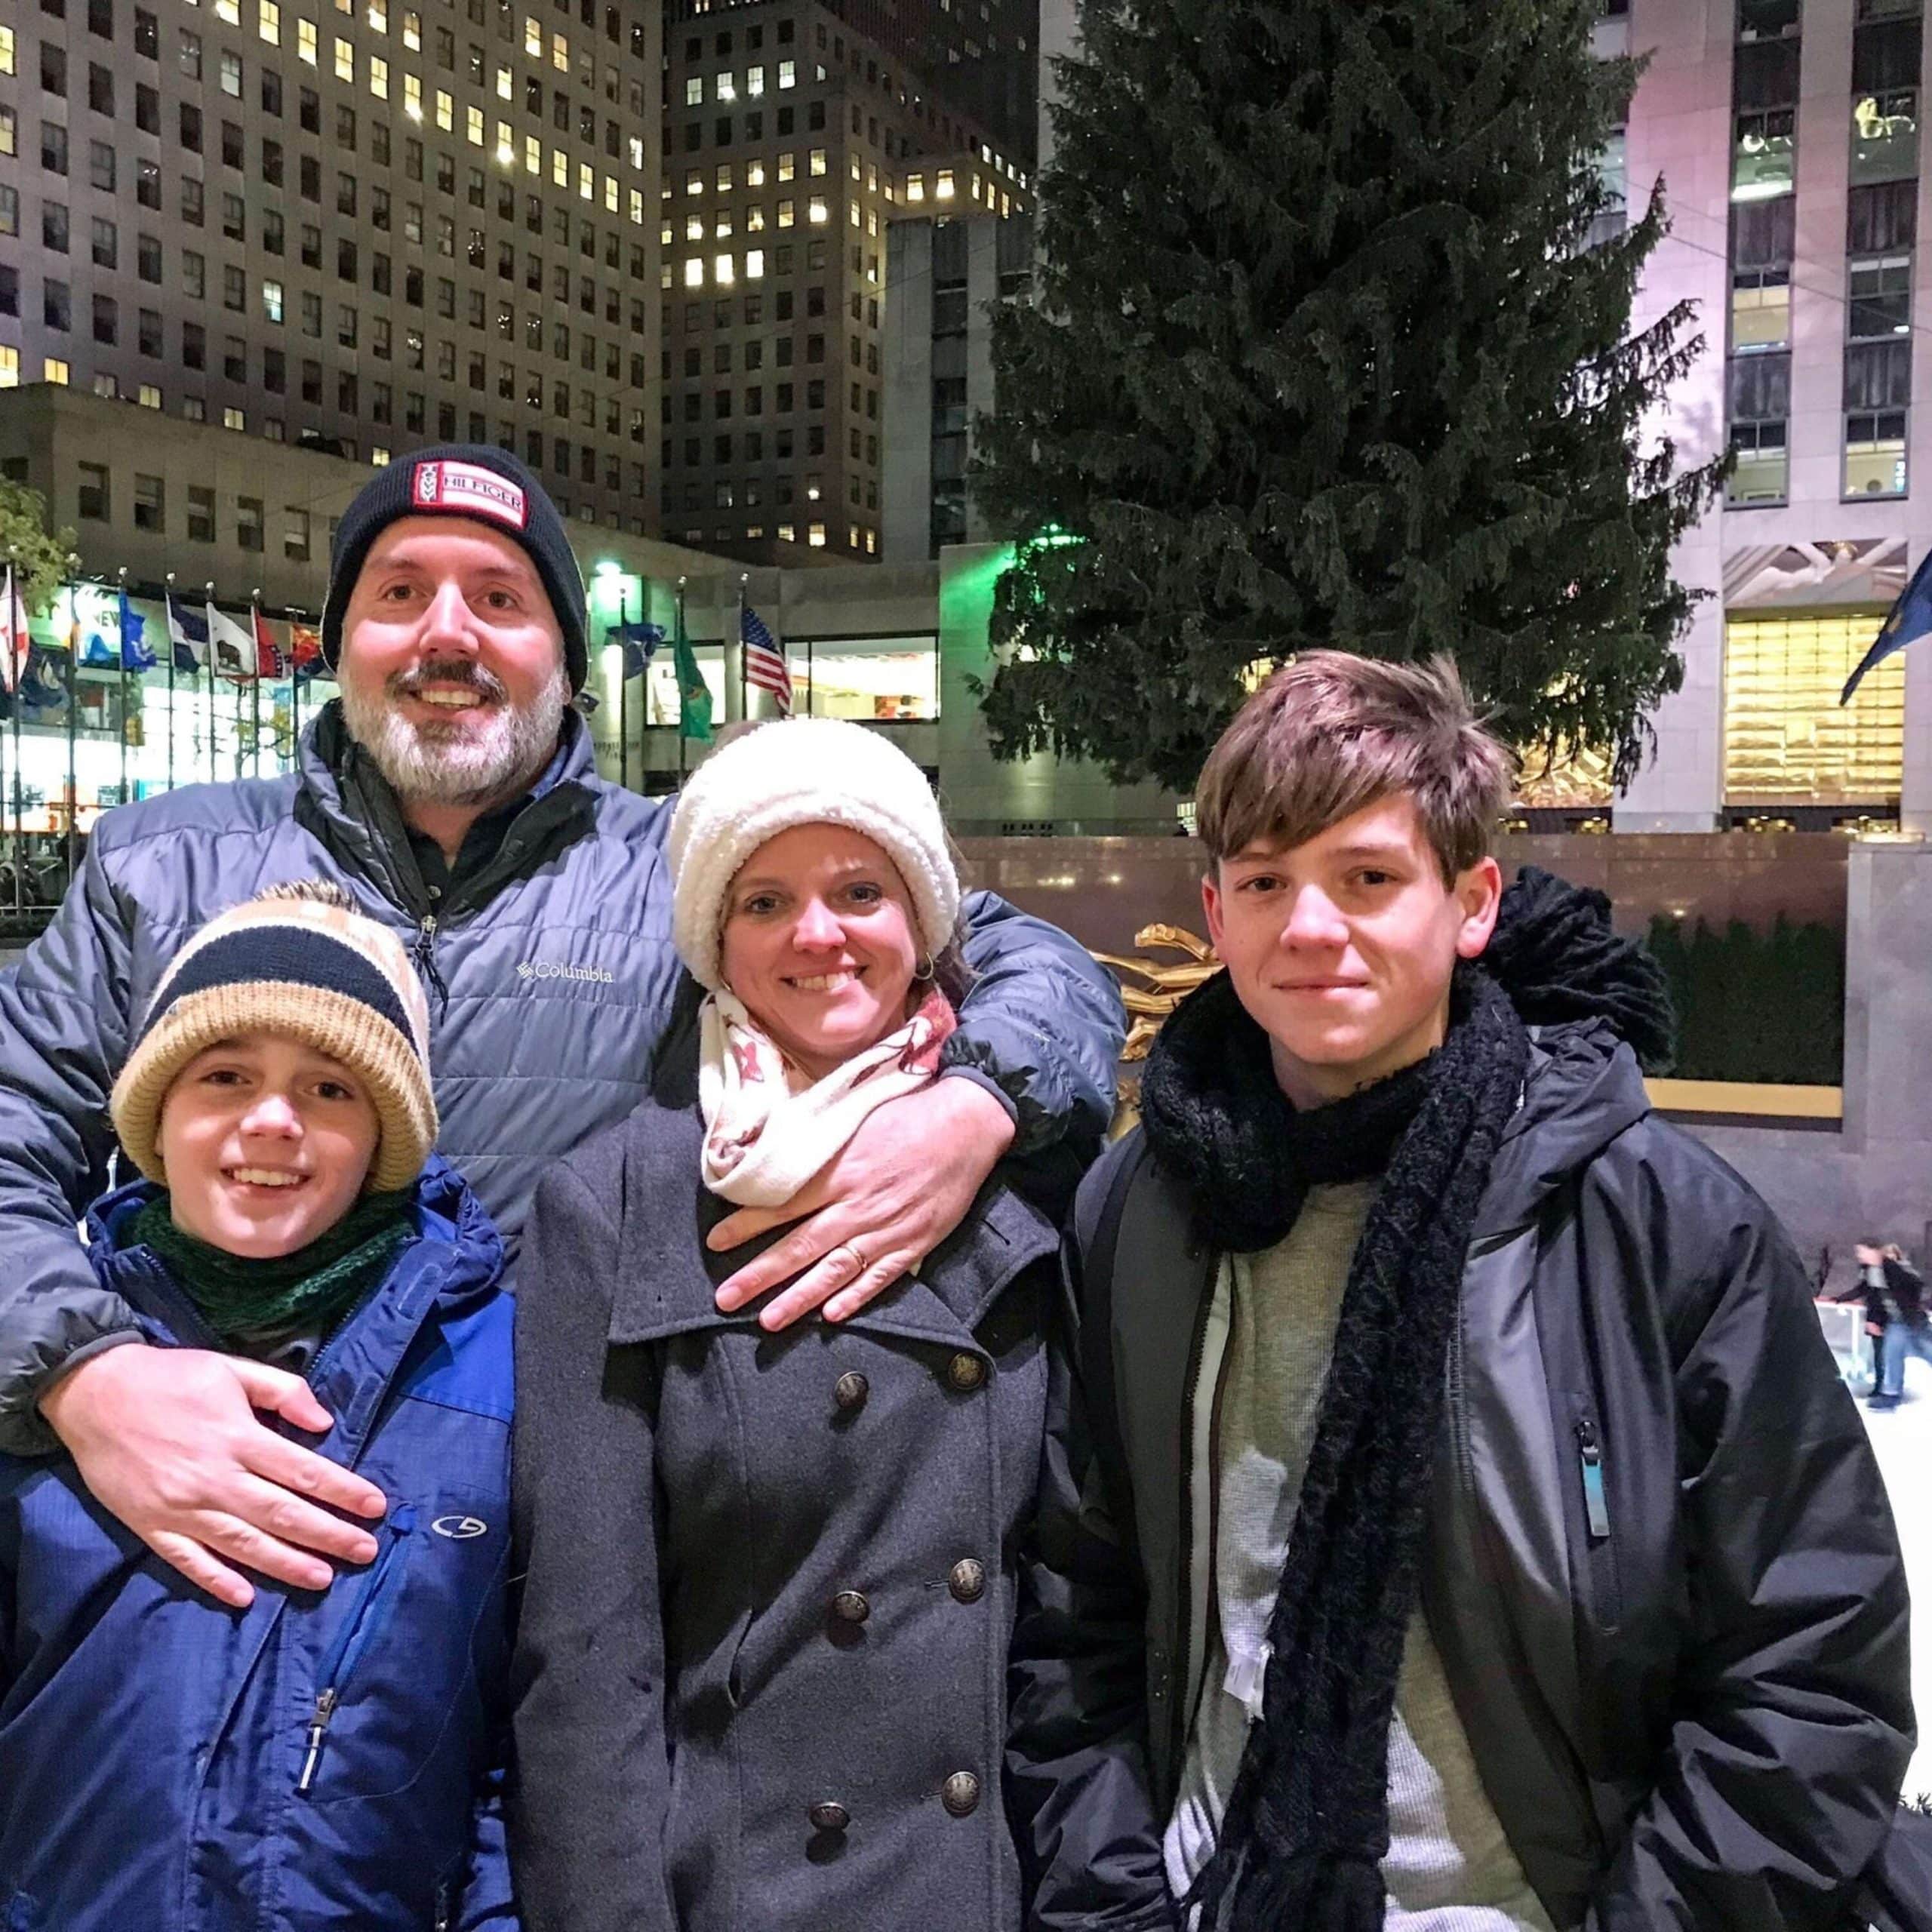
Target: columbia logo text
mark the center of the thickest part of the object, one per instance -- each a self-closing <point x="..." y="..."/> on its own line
<point x="552" y="969"/>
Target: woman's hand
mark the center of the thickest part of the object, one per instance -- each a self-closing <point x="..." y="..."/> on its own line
<point x="896" y="1190"/>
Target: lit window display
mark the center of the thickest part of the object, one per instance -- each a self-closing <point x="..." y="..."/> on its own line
<point x="1787" y="741"/>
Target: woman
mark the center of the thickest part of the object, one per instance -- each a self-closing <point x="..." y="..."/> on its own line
<point x="770" y="1577"/>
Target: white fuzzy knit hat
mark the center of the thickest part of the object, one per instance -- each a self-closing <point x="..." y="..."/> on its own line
<point x="803" y="772"/>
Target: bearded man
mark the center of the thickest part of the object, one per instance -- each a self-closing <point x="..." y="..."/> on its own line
<point x="451" y="789"/>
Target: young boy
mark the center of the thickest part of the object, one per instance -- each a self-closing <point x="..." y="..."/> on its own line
<point x="1455" y="1521"/>
<point x="326" y="1757"/>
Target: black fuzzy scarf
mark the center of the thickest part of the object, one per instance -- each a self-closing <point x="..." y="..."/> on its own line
<point x="1307" y="1824"/>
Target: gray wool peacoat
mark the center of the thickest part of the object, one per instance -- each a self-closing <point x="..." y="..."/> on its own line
<point x="768" y="1580"/>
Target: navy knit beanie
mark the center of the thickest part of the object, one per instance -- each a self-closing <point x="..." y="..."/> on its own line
<point x="482" y="483"/>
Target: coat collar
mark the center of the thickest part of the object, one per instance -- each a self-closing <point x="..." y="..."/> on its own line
<point x="455" y="1262"/>
<point x="668" y="1285"/>
<point x="347" y="803"/>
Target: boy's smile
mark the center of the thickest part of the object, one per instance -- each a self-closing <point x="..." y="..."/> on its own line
<point x="266" y="1143"/>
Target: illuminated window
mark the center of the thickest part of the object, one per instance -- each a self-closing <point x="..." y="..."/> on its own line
<point x="727" y="88"/>
<point x="786" y="168"/>
<point x="755" y="83"/>
<point x="532" y="36"/>
<point x="788" y="74"/>
<point x="1884" y="136"/>
<point x="721" y="272"/>
<point x="694" y="272"/>
<point x="560" y="169"/>
<point x="943" y="185"/>
<point x="817" y="160"/>
<point x="378" y="77"/>
<point x="1875" y="453"/>
<point x="815" y="211"/>
<point x="445" y="110"/>
<point x="754" y="264"/>
<point x="724" y="177"/>
<point x="345" y="60"/>
<point x="379" y="15"/>
<point x="472" y="126"/>
<point x="1762" y="154"/>
<point x="148" y="396"/>
<point x="693" y="182"/>
<point x="754" y="174"/>
<point x="6" y="67"/>
<point x="915" y="187"/>
<point x="10" y="367"/>
<point x="1760" y="309"/>
<point x="56" y="370"/>
<point x="412" y="96"/>
<point x="232" y="418"/>
<point x="305" y="41"/>
<point x="786" y="214"/>
<point x="637" y="206"/>
<point x="586" y="182"/>
<point x="815" y="535"/>
<point x="693" y="229"/>
<point x="755" y="219"/>
<point x="560" y="53"/>
<point x="694" y="90"/>
<point x="412" y="30"/>
<point x="1787" y="739"/>
<point x="229" y="10"/>
<point x="856" y="213"/>
<point x="505" y="84"/>
<point x="505" y="144"/>
<point x="533" y="155"/>
<point x="267" y="21"/>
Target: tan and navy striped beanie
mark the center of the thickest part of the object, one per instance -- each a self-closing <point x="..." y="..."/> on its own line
<point x="301" y="963"/>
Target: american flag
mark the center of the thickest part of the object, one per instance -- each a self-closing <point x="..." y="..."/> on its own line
<point x="764" y="662"/>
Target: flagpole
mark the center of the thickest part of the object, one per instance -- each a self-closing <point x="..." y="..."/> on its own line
<point x="168" y="605"/>
<point x="686" y="635"/>
<point x="624" y="691"/>
<point x="17" y="671"/>
<point x="123" y="579"/>
<point x="208" y="612"/>
<point x="255" y="689"/>
<point x="73" y="724"/>
<point x="744" y="691"/>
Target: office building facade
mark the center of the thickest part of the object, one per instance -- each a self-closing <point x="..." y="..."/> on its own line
<point x="348" y="224"/>
<point x="791" y="140"/>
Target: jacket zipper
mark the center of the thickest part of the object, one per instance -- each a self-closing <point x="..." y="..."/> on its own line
<point x="1181" y="1667"/>
<point x="1596" y="1504"/>
<point x="363" y="1627"/>
<point x="423" y="954"/>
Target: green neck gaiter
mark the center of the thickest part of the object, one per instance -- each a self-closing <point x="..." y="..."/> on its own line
<point x="314" y="1288"/>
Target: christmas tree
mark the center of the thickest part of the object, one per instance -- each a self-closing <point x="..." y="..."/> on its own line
<point x="1333" y="348"/>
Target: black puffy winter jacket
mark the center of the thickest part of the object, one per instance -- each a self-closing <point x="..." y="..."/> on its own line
<point x="1686" y="1690"/>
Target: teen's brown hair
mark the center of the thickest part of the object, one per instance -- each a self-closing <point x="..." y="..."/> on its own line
<point x="1330" y="734"/>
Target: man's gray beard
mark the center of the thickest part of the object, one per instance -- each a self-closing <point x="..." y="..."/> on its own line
<point x="466" y="768"/>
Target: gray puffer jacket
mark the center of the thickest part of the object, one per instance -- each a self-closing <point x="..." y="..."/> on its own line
<point x="551" y="976"/>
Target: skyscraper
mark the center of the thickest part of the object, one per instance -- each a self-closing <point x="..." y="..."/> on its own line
<point x="792" y="138"/>
<point x="347" y="224"/>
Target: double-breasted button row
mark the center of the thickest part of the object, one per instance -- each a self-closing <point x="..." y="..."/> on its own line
<point x="851" y="1607"/>
<point x="960" y="1794"/>
<point x="849" y="1392"/>
<point x="966" y="1579"/>
<point x="965" y="1372"/>
<point x="829" y="1815"/>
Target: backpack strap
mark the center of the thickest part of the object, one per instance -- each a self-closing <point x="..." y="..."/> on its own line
<point x="1097" y="1308"/>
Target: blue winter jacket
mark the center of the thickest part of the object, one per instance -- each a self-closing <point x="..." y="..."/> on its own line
<point x="317" y="1759"/>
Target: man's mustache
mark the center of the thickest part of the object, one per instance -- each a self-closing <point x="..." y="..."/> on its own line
<point x="463" y="672"/>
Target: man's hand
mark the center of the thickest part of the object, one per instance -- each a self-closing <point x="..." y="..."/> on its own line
<point x="898" y="1188"/>
<point x="1874" y="1328"/>
<point x="167" y="1439"/>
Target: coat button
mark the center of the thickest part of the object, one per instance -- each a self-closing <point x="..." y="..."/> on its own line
<point x="849" y="1606"/>
<point x="965" y="1371"/>
<point x="850" y="1391"/>
<point x="828" y="1816"/>
<point x="967" y="1581"/>
<point x="961" y="1794"/>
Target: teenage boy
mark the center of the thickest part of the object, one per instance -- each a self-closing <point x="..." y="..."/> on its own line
<point x="1455" y="1520"/>
<point x="317" y="1759"/>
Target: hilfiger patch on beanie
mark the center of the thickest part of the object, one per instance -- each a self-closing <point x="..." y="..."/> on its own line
<point x="467" y="489"/>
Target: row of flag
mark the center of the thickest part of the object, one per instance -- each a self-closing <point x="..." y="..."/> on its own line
<point x="764" y="664"/>
<point x="196" y="637"/>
